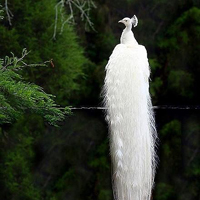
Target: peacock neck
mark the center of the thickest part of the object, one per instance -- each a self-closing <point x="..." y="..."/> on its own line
<point x="128" y="28"/>
<point x="127" y="36"/>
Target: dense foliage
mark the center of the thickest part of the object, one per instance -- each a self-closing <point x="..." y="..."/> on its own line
<point x="32" y="28"/>
<point x="72" y="162"/>
<point x="18" y="97"/>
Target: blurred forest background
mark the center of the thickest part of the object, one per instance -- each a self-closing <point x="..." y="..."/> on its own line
<point x="71" y="41"/>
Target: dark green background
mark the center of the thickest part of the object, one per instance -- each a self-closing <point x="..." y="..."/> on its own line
<point x="39" y="162"/>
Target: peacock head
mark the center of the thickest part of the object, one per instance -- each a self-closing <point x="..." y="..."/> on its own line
<point x="129" y="21"/>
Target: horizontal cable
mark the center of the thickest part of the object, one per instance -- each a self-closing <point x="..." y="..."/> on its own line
<point x="161" y="107"/>
<point x="87" y="108"/>
<point x="177" y="107"/>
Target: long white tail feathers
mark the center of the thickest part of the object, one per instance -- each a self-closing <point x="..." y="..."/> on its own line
<point x="131" y="123"/>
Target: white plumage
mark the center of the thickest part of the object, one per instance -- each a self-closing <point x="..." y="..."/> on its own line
<point x="131" y="122"/>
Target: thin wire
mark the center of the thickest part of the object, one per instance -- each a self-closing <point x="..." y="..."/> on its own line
<point x="160" y="107"/>
<point x="87" y="108"/>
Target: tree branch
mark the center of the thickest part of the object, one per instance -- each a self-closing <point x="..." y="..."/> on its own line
<point x="14" y="61"/>
<point x="83" y="6"/>
<point x="1" y="17"/>
<point x="8" y="12"/>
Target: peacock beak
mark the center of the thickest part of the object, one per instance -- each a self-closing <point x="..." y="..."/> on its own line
<point x="120" y="21"/>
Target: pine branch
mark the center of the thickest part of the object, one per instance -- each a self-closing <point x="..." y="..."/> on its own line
<point x="18" y="63"/>
<point x="18" y="97"/>
<point x="14" y="60"/>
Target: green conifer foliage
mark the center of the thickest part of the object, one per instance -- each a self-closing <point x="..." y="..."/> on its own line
<point x="18" y="97"/>
<point x="17" y="182"/>
<point x="180" y="50"/>
<point x="33" y="28"/>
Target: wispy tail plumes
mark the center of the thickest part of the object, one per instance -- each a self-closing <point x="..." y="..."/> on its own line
<point x="131" y="123"/>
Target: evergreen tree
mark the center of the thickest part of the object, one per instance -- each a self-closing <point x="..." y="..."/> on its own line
<point x="45" y="166"/>
<point x="18" y="97"/>
<point x="33" y="28"/>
